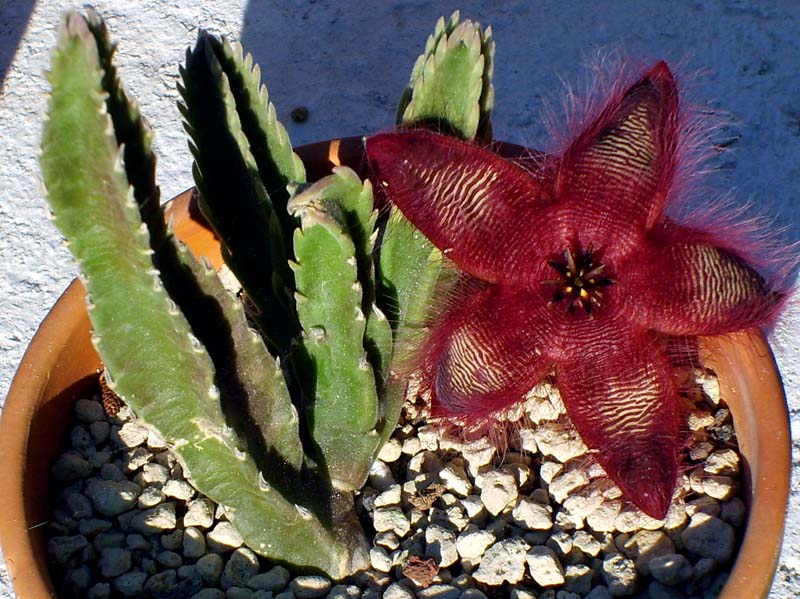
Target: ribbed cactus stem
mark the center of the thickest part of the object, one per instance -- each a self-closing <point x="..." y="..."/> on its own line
<point x="450" y="87"/>
<point x="154" y="361"/>
<point x="354" y="198"/>
<point x="278" y="166"/>
<point x="336" y="372"/>
<point x="232" y="194"/>
<point x="253" y="384"/>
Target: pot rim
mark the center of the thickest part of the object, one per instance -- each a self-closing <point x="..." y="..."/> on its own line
<point x="749" y="382"/>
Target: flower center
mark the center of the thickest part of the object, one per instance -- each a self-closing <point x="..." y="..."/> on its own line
<point x="580" y="281"/>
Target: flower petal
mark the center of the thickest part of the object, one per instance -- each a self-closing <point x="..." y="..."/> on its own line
<point x="616" y="175"/>
<point x="474" y="206"/>
<point x="623" y="404"/>
<point x="684" y="284"/>
<point x="485" y="353"/>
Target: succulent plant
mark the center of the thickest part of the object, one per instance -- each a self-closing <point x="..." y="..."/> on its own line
<point x="572" y="267"/>
<point x="275" y="405"/>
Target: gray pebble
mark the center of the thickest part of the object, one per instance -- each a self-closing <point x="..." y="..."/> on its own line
<point x="440" y="544"/>
<point x="656" y="590"/>
<point x="503" y="561"/>
<point x="130" y="584"/>
<point x="209" y="594"/>
<point x="533" y="515"/>
<point x="310" y="587"/>
<point x="274" y="580"/>
<point x="238" y="593"/>
<point x="136" y="458"/>
<point x="111" y="498"/>
<point x="224" y="537"/>
<point x="62" y="518"/>
<point x="87" y="410"/>
<point x="188" y="571"/>
<point x="199" y="513"/>
<point x="473" y="543"/>
<point x="544" y="566"/>
<point x="160" y="583"/>
<point x="379" y="559"/>
<point x="285" y="595"/>
<point x="194" y="543"/>
<point x="210" y="568"/>
<point x="498" y="490"/>
<point x="619" y="573"/>
<point x="262" y="595"/>
<point x="62" y="548"/>
<point x="124" y="520"/>
<point x="646" y="545"/>
<point x="179" y="489"/>
<point x="137" y="542"/>
<point x="670" y="569"/>
<point x="70" y="467"/>
<point x="709" y="537"/>
<point x="79" y="506"/>
<point x="172" y="540"/>
<point x="439" y="591"/>
<point x="79" y="579"/>
<point x="241" y="567"/>
<point x="99" y="431"/>
<point x="151" y="496"/>
<point x="130" y="434"/>
<point x="398" y="591"/>
<point x="733" y="512"/>
<point x="391" y="519"/>
<point x="578" y="578"/>
<point x="473" y="594"/>
<point x="111" y="471"/>
<point x="341" y="591"/>
<point x="114" y="561"/>
<point x="148" y="565"/>
<point x="169" y="559"/>
<point x="99" y="458"/>
<point x="102" y="590"/>
<point x="155" y="520"/>
<point x="81" y="440"/>
<point x="112" y="538"/>
<point x="380" y="476"/>
<point x="599" y="592"/>
<point x="155" y="473"/>
<point x="92" y="526"/>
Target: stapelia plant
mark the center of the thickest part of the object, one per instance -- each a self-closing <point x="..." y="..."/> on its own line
<point x="571" y="265"/>
<point x="278" y="424"/>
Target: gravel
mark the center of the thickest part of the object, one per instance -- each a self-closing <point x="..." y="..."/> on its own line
<point x="453" y="519"/>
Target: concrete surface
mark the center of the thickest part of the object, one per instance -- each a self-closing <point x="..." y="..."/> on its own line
<point x="348" y="61"/>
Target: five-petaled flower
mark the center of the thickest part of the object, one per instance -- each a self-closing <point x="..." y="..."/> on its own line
<point x="573" y="267"/>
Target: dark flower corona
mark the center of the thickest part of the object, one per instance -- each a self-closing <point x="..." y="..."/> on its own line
<point x="577" y="270"/>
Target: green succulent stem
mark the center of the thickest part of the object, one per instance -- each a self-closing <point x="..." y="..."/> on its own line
<point x="281" y="454"/>
<point x="450" y="87"/>
<point x="151" y="355"/>
<point x="233" y="196"/>
<point x="343" y="409"/>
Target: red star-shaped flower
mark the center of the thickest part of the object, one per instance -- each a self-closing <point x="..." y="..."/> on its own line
<point x="573" y="267"/>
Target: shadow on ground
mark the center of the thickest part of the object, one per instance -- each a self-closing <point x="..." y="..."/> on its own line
<point x="348" y="62"/>
<point x="14" y="15"/>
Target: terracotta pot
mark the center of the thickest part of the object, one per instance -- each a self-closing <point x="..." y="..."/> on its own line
<point x="61" y="366"/>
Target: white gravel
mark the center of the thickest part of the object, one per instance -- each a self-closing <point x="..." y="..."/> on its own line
<point x="103" y="533"/>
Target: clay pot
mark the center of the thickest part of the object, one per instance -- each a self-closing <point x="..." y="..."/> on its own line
<point x="61" y="366"/>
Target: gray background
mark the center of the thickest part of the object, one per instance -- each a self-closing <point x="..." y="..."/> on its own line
<point x="348" y="60"/>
